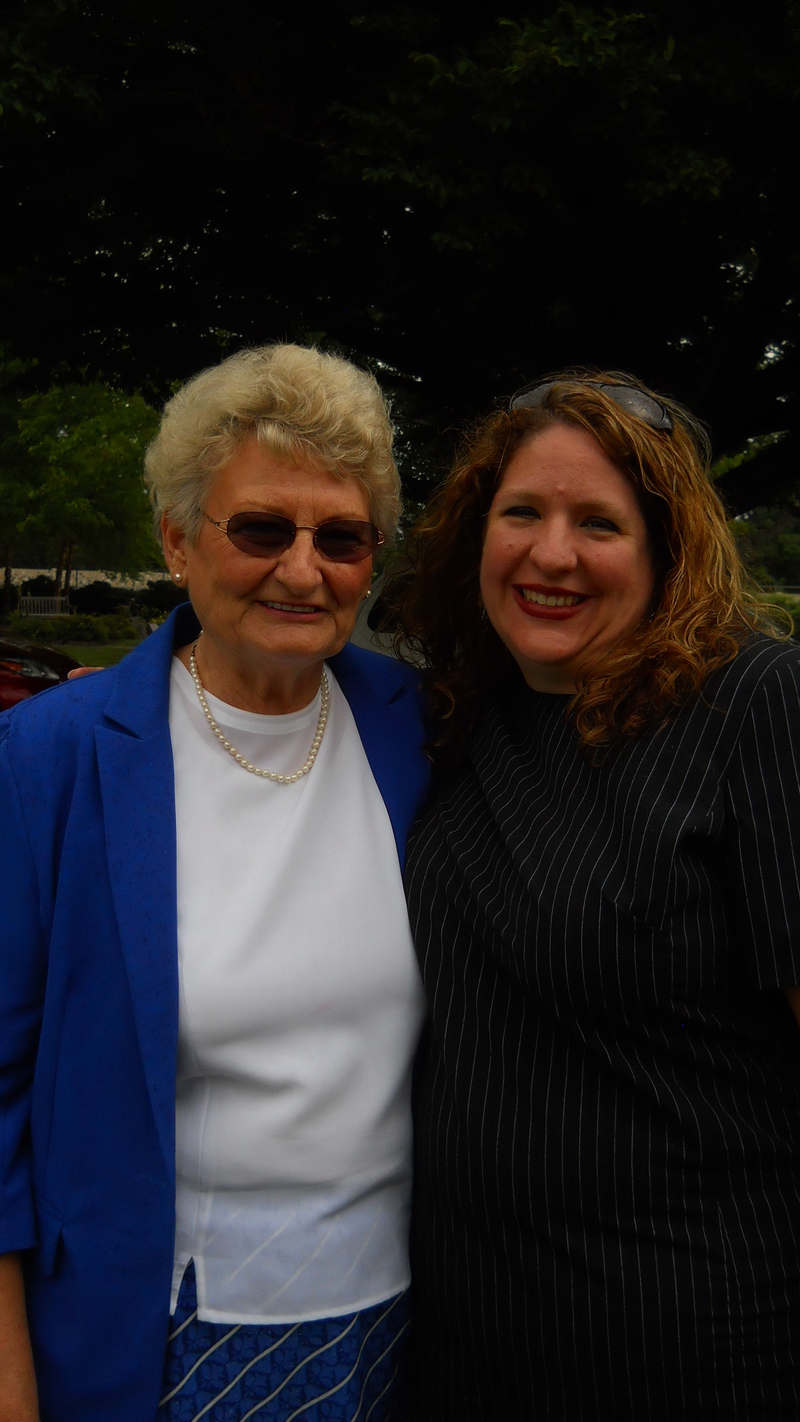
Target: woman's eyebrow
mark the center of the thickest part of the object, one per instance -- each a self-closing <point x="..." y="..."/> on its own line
<point x="582" y="506"/>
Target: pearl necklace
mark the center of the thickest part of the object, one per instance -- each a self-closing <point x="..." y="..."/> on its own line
<point x="237" y="756"/>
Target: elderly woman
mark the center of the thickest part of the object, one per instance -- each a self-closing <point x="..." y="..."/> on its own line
<point x="209" y="1002"/>
<point x="606" y="905"/>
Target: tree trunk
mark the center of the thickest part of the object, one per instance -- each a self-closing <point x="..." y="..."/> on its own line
<point x="68" y="566"/>
<point x="62" y="554"/>
<point x="8" y="595"/>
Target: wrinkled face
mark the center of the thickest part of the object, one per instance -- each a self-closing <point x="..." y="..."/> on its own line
<point x="567" y="569"/>
<point x="286" y="612"/>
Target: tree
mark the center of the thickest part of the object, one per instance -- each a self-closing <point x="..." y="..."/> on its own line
<point x="14" y="486"/>
<point x="12" y="497"/>
<point x="769" y="541"/>
<point x="611" y="186"/>
<point x="465" y="201"/>
<point x="86" y="499"/>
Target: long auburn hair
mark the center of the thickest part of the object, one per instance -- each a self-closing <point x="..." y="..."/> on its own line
<point x="702" y="607"/>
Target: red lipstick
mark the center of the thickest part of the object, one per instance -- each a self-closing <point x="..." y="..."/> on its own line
<point x="542" y="607"/>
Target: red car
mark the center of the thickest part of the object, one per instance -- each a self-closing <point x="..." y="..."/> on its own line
<point x="26" y="668"/>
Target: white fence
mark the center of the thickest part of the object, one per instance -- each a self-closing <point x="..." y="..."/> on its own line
<point x="43" y="606"/>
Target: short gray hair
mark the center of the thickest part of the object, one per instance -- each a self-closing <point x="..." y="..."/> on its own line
<point x="300" y="404"/>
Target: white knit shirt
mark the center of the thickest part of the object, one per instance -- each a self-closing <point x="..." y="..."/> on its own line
<point x="300" y="1010"/>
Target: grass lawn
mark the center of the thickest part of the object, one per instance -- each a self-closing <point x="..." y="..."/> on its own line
<point x="98" y="654"/>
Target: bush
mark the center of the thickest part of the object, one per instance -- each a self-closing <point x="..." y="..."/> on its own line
<point x="769" y="542"/>
<point x="113" y="628"/>
<point x="40" y="586"/>
<point x="100" y="599"/>
<point x="160" y="597"/>
<point x="788" y="604"/>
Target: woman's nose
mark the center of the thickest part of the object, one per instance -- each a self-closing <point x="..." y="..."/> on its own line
<point x="298" y="565"/>
<point x="553" y="548"/>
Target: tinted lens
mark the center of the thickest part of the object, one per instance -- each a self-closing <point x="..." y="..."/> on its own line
<point x="268" y="535"/>
<point x="530" y="396"/>
<point x="264" y="535"/>
<point x="346" y="540"/>
<point x="643" y="406"/>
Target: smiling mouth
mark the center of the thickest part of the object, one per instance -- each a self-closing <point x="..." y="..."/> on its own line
<point x="291" y="607"/>
<point x="554" y="599"/>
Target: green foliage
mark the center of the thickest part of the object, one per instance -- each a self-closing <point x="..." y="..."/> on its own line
<point x="80" y="488"/>
<point x="41" y="585"/>
<point x="577" y="93"/>
<point x="159" y="598"/>
<point x="99" y="599"/>
<point x="789" y="605"/>
<point x="12" y="492"/>
<point x="752" y="449"/>
<point x="52" y="630"/>
<point x="590" y="176"/>
<point x="769" y="542"/>
<point x="468" y="198"/>
<point x="29" y="78"/>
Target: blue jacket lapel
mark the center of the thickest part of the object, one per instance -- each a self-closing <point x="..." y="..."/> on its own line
<point x="387" y="706"/>
<point x="137" y="787"/>
<point x="134" y="756"/>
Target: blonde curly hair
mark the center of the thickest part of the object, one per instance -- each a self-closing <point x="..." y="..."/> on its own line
<point x="301" y="404"/>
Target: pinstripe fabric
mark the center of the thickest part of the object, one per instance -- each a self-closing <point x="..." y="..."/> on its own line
<point x="608" y="1197"/>
<point x="348" y="1369"/>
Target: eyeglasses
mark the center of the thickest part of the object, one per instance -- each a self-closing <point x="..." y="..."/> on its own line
<point x="267" y="535"/>
<point x="635" y="401"/>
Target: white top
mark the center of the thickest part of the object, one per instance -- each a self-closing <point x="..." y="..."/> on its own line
<point x="300" y="1010"/>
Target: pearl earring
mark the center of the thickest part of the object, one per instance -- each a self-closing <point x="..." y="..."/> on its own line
<point x="177" y="577"/>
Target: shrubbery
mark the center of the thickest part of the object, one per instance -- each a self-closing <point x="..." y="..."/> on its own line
<point x="40" y="586"/>
<point x="159" y="597"/>
<point x="100" y="599"/>
<point x="101" y="612"/>
<point x="789" y="604"/>
<point x="113" y="628"/>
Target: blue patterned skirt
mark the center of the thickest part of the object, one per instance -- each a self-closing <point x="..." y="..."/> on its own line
<point x="348" y="1369"/>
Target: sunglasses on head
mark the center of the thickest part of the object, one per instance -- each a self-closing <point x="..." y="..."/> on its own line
<point x="635" y="401"/>
<point x="267" y="535"/>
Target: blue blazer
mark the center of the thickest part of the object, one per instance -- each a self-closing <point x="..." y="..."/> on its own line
<point x="89" y="1005"/>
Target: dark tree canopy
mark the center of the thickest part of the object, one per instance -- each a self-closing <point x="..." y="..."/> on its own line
<point x="464" y="203"/>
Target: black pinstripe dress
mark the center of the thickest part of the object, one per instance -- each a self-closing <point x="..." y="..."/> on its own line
<point x="608" y="1193"/>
